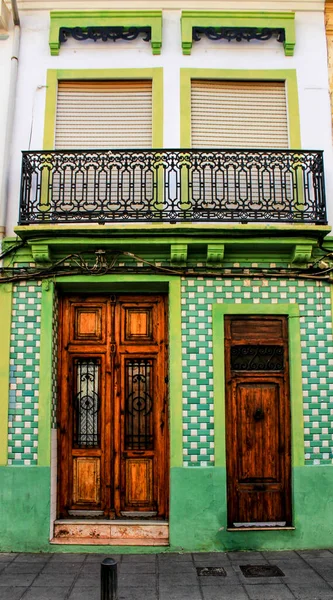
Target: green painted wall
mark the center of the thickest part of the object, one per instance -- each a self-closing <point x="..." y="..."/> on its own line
<point x="25" y="508"/>
<point x="198" y="521"/>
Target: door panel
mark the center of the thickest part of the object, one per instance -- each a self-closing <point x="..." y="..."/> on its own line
<point x="112" y="411"/>
<point x="86" y="480"/>
<point x="258" y="430"/>
<point x="139" y="483"/>
<point x="258" y="420"/>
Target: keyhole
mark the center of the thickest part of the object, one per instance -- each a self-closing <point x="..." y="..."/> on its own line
<point x="258" y="414"/>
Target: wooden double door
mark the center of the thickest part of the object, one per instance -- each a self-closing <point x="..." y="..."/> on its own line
<point x="258" y="421"/>
<point x="113" y="415"/>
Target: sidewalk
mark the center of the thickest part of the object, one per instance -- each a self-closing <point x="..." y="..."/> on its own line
<point x="308" y="575"/>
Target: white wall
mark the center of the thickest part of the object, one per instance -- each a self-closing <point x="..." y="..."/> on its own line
<point x="5" y="60"/>
<point x="310" y="61"/>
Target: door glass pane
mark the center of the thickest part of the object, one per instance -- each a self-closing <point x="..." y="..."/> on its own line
<point x="87" y="403"/>
<point x="138" y="405"/>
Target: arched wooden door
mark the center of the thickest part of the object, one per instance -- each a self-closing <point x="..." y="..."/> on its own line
<point x="113" y="416"/>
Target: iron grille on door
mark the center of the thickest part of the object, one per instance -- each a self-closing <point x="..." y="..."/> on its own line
<point x="86" y="403"/>
<point x="139" y="405"/>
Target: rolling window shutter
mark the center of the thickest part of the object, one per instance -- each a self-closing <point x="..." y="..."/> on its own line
<point x="239" y="114"/>
<point x="104" y="114"/>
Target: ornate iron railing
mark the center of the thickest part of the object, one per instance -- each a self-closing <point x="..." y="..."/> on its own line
<point x="86" y="186"/>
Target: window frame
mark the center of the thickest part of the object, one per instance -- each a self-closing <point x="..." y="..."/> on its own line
<point x="285" y="75"/>
<point x="54" y="75"/>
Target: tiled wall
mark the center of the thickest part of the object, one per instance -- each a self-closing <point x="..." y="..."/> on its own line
<point x="24" y="374"/>
<point x="198" y="296"/>
<point x="314" y="301"/>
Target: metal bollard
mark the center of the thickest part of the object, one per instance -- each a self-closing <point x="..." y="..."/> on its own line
<point x="109" y="579"/>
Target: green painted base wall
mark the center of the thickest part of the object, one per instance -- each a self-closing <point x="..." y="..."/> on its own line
<point x="24" y="509"/>
<point x="198" y="517"/>
<point x="197" y="513"/>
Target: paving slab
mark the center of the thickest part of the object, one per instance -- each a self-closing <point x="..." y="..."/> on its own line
<point x="315" y="553"/>
<point x="22" y="567"/>
<point x="11" y="593"/>
<point x="47" y="593"/>
<point x="326" y="574"/>
<point x="58" y="580"/>
<point x="185" y="567"/>
<point x="227" y="592"/>
<point x="52" y="568"/>
<point x="179" y="593"/>
<point x="135" y="579"/>
<point x="280" y="555"/>
<point x="68" y="557"/>
<point x="231" y="577"/>
<point x="40" y="557"/>
<point x="269" y="592"/>
<point x="137" y="594"/>
<point x="17" y="579"/>
<point x="7" y="556"/>
<point x="311" y="592"/>
<point x="137" y="558"/>
<point x="210" y="556"/>
<point x="88" y="579"/>
<point x="87" y="593"/>
<point x="133" y="568"/>
<point x="166" y="581"/>
<point x="247" y="557"/>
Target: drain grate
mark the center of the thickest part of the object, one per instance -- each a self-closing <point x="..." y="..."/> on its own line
<point x="261" y="571"/>
<point x="211" y="571"/>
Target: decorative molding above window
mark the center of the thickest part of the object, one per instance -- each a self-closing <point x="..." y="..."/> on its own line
<point x="103" y="33"/>
<point x="106" y="25"/>
<point x="238" y="26"/>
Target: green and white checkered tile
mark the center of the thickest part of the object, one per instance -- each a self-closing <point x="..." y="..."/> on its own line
<point x="314" y="301"/>
<point x="24" y="374"/>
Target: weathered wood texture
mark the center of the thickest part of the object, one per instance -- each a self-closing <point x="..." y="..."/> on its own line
<point x="258" y="420"/>
<point x="113" y="417"/>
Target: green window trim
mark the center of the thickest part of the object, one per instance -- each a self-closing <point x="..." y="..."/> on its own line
<point x="295" y="374"/>
<point x="53" y="76"/>
<point x="106" y="18"/>
<point x="287" y="75"/>
<point x="116" y="284"/>
<point x="283" y="20"/>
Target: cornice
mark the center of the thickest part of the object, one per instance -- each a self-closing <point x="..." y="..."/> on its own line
<point x="294" y="5"/>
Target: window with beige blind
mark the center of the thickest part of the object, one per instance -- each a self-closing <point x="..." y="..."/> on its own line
<point x="237" y="115"/>
<point x="104" y="114"/>
<point x="108" y="117"/>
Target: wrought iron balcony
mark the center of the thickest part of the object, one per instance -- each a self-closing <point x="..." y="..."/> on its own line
<point x="189" y="185"/>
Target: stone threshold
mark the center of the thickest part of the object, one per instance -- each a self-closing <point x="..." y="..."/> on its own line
<point x="111" y="533"/>
<point x="284" y="528"/>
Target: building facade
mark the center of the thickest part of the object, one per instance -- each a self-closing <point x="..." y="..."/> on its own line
<point x="166" y="307"/>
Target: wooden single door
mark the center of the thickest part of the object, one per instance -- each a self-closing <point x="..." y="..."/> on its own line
<point x="113" y="418"/>
<point x="258" y="421"/>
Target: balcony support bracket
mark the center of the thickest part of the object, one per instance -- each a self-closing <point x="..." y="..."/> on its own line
<point x="215" y="255"/>
<point x="41" y="253"/>
<point x="301" y="254"/>
<point x="178" y="254"/>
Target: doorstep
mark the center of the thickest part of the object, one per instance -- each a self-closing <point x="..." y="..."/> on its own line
<point x="111" y="533"/>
